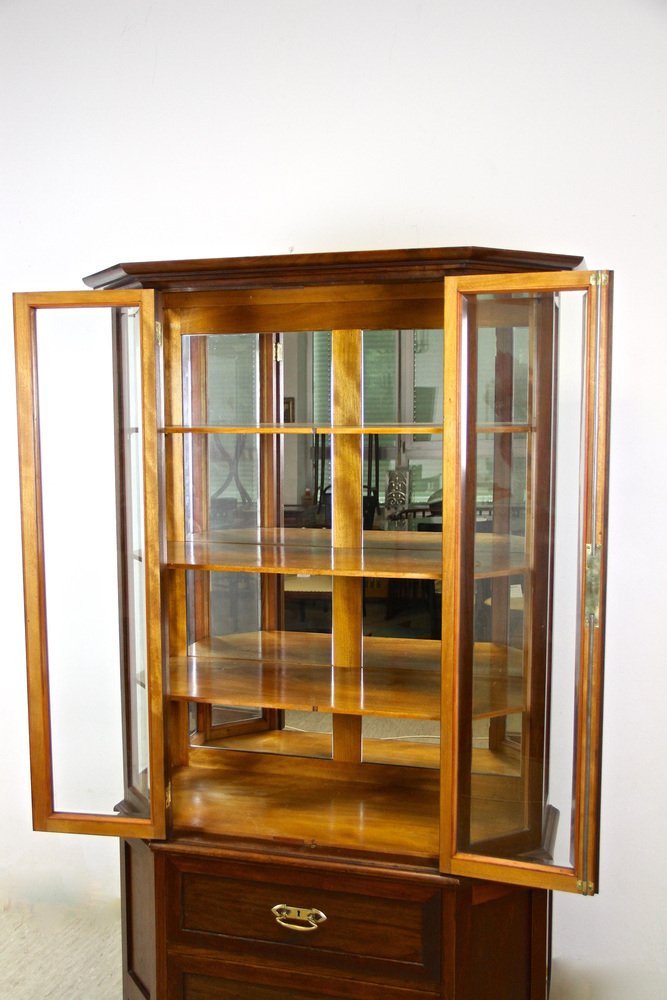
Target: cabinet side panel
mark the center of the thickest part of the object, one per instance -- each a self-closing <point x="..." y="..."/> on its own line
<point x="502" y="943"/>
<point x="138" y="890"/>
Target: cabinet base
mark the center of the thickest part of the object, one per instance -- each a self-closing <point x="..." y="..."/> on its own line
<point x="201" y="925"/>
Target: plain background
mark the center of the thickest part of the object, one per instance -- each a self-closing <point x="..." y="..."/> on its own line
<point x="156" y="129"/>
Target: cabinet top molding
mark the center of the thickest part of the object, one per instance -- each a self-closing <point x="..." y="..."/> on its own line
<point x="364" y="266"/>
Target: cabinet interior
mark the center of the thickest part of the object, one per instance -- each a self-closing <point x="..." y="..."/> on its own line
<point x="304" y="570"/>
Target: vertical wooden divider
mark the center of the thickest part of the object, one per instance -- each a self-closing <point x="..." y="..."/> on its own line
<point x="270" y="475"/>
<point x="347" y="522"/>
<point x="174" y="585"/>
<point x="502" y="498"/>
<point x="453" y="441"/>
<point x="271" y="500"/>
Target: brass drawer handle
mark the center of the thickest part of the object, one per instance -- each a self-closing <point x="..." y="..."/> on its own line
<point x="305" y="919"/>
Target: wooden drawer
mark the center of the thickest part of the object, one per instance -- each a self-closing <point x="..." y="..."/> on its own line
<point x="190" y="978"/>
<point x="382" y="930"/>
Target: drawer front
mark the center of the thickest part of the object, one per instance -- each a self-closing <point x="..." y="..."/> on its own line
<point x="377" y="929"/>
<point x="189" y="979"/>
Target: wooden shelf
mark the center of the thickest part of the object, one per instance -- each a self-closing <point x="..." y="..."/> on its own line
<point x="400" y="678"/>
<point x="276" y="647"/>
<point x="309" y="551"/>
<point x="316" y="745"/>
<point x="412" y="555"/>
<point x="307" y="428"/>
<point x="504" y="427"/>
<point x="368" y="808"/>
<point x="375" y="808"/>
<point x="498" y="682"/>
<point x="499" y="555"/>
<point x="390" y="691"/>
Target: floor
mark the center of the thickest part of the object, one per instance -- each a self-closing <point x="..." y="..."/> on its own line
<point x="50" y="952"/>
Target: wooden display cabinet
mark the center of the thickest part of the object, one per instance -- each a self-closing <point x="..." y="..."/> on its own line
<point x="359" y="636"/>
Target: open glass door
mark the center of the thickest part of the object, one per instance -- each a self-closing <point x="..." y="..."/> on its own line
<point x="526" y="440"/>
<point x="88" y="447"/>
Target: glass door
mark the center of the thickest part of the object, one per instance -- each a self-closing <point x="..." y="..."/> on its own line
<point x="526" y="439"/>
<point x="86" y="374"/>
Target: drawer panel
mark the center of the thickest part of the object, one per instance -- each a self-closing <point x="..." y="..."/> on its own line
<point x="206" y="988"/>
<point x="192" y="980"/>
<point x="379" y="929"/>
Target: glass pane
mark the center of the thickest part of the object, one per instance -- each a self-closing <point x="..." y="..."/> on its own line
<point x="502" y="485"/>
<point x="401" y="672"/>
<point x="89" y="392"/>
<point x="565" y="609"/>
<point x="503" y="359"/>
<point x="220" y="380"/>
<point x="523" y="473"/>
<point x="223" y="482"/>
<point x="381" y="362"/>
<point x="132" y="563"/>
<point x="405" y="482"/>
<point x="264" y="643"/>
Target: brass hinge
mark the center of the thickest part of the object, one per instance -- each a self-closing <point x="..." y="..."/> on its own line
<point x="158" y="334"/>
<point x="167" y="796"/>
<point x="278" y="354"/>
<point x="592" y="606"/>
<point x="586" y="888"/>
<point x="599" y="278"/>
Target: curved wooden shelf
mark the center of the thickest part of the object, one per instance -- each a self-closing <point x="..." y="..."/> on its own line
<point x="499" y="555"/>
<point x="498" y="684"/>
<point x="400" y="678"/>
<point x="388" y="554"/>
<point x="312" y="745"/>
<point x="309" y="551"/>
<point x="306" y="428"/>
<point x="411" y="692"/>
<point x="290" y="670"/>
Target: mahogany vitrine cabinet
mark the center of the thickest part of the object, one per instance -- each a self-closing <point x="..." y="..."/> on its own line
<point x="314" y="580"/>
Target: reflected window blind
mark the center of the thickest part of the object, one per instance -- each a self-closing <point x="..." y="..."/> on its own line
<point x="233" y="363"/>
<point x="381" y="395"/>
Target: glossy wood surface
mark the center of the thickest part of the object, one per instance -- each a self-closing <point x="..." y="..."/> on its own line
<point x="388" y="691"/>
<point x="290" y="670"/>
<point x="430" y="264"/>
<point x="191" y="978"/>
<point x="318" y="746"/>
<point x="369" y="808"/>
<point x="347" y="529"/>
<point x="470" y="940"/>
<point x="411" y="555"/>
<point x="139" y="927"/>
<point x="304" y="551"/>
<point x="282" y="428"/>
<point x="385" y="930"/>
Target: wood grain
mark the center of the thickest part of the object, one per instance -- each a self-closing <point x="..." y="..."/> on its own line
<point x="282" y="428"/>
<point x="400" y="678"/>
<point x="360" y="267"/>
<point x="304" y="551"/>
<point x="44" y="815"/>
<point x="360" y="807"/>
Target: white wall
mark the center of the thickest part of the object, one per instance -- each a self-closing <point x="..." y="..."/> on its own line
<point x="143" y="130"/>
